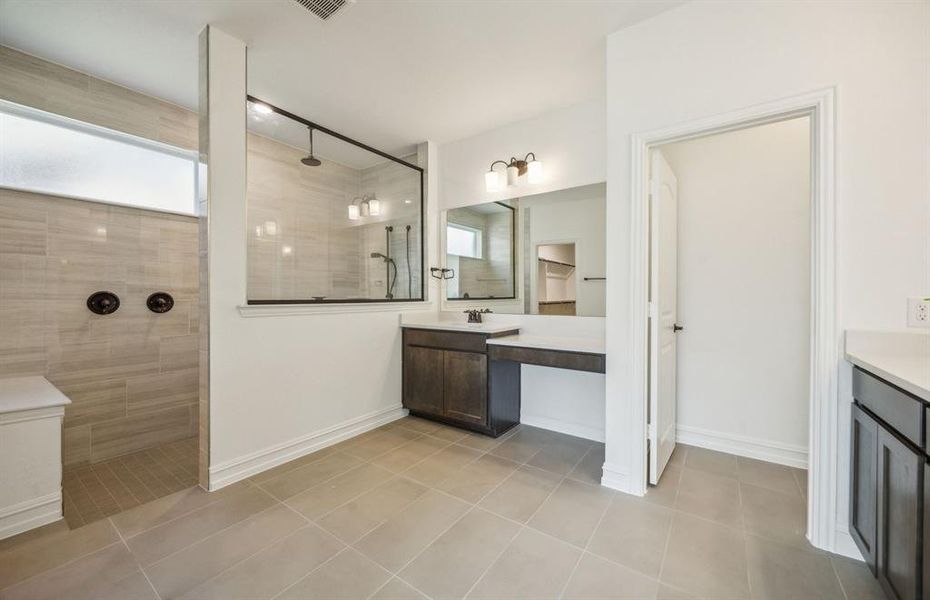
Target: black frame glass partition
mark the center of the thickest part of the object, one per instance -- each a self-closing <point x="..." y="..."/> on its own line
<point x="463" y="295"/>
<point x="329" y="224"/>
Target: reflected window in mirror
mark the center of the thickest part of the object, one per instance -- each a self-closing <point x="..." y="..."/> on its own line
<point x="480" y="252"/>
<point x="557" y="252"/>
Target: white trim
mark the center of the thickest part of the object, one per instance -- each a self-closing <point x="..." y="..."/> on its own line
<point x="761" y="449"/>
<point x="230" y="472"/>
<point x="844" y="544"/>
<point x="292" y="310"/>
<point x="33" y="414"/>
<point x="30" y="514"/>
<point x="825" y="343"/>
<point x="583" y="431"/>
<point x="617" y="478"/>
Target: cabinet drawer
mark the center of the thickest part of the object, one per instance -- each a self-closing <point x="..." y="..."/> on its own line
<point x="904" y="413"/>
<point x="576" y="361"/>
<point x="469" y="342"/>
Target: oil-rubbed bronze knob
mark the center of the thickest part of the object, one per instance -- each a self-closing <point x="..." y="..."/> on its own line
<point x="103" y="303"/>
<point x="160" y="302"/>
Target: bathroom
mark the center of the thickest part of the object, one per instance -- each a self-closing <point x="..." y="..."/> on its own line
<point x="362" y="299"/>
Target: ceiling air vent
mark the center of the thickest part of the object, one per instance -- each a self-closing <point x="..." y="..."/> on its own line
<point x="322" y="8"/>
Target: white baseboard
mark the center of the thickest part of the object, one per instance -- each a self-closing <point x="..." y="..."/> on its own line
<point x="238" y="469"/>
<point x="776" y="452"/>
<point x="28" y="515"/>
<point x="582" y="431"/>
<point x="844" y="544"/>
<point x="617" y="478"/>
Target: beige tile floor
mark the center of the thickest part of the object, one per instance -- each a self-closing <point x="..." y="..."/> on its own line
<point x="417" y="510"/>
<point x="93" y="492"/>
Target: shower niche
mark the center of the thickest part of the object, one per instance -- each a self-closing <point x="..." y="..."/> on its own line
<point x="330" y="219"/>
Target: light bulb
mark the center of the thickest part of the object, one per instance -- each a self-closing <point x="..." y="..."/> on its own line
<point x="353" y="212"/>
<point x="374" y="207"/>
<point x="492" y="181"/>
<point x="534" y="172"/>
<point x="512" y="174"/>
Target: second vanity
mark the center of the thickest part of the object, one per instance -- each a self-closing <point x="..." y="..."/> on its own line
<point x="468" y="374"/>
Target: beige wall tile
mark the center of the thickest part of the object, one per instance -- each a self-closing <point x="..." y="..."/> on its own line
<point x="122" y="436"/>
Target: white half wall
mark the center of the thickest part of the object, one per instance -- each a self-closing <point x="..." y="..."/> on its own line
<point x="284" y="380"/>
<point x="744" y="288"/>
<point x="709" y="58"/>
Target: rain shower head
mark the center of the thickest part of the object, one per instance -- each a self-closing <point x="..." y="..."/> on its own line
<point x="311" y="161"/>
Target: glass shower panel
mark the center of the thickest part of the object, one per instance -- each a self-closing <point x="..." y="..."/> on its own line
<point x="345" y="227"/>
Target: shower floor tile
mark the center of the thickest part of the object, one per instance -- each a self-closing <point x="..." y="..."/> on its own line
<point x="93" y="492"/>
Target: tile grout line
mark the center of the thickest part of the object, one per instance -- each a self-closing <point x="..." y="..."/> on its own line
<point x="132" y="554"/>
<point x="523" y="526"/>
<point x="346" y="548"/>
<point x="472" y="507"/>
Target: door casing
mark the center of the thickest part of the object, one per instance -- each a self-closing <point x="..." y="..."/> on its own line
<point x="825" y="341"/>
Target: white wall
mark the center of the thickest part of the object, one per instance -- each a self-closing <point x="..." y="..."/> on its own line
<point x="570" y="143"/>
<point x="707" y="58"/>
<point x="744" y="289"/>
<point x="283" y="383"/>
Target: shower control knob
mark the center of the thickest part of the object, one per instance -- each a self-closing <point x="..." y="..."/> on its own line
<point x="103" y="303"/>
<point x="160" y="302"/>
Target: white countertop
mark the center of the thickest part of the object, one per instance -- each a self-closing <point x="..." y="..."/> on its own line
<point x="901" y="358"/>
<point x="433" y="322"/>
<point x="562" y="343"/>
<point x="29" y="393"/>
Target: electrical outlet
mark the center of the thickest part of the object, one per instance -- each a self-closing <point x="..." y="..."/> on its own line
<point x="918" y="312"/>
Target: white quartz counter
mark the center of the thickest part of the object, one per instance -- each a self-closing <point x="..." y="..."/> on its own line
<point x="29" y="393"/>
<point x="561" y="343"/>
<point x="433" y="322"/>
<point x="901" y="358"/>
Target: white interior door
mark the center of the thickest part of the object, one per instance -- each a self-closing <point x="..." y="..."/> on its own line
<point x="663" y="305"/>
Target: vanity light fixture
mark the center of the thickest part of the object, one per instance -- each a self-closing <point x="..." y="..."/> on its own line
<point x="529" y="166"/>
<point x="364" y="206"/>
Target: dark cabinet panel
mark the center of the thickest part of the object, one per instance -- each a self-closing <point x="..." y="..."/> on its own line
<point x="900" y="515"/>
<point x="863" y="490"/>
<point x="902" y="412"/>
<point x="926" y="571"/>
<point x="465" y="386"/>
<point x="423" y="379"/>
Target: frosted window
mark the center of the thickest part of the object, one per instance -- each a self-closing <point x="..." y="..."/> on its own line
<point x="44" y="153"/>
<point x="463" y="241"/>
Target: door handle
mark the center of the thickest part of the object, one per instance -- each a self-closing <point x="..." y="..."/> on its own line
<point x="676" y="328"/>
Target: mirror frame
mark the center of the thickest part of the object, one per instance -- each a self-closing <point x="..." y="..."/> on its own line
<point x="513" y="254"/>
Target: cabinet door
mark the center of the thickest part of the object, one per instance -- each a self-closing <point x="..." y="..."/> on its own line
<point x="423" y="380"/>
<point x="465" y="386"/>
<point x="900" y="471"/>
<point x="926" y="572"/>
<point x="863" y="492"/>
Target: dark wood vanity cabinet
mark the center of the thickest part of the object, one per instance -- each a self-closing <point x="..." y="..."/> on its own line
<point x="864" y="484"/>
<point x="889" y="491"/>
<point x="447" y="378"/>
<point x="900" y="517"/>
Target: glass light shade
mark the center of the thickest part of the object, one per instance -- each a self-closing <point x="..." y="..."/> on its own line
<point x="534" y="172"/>
<point x="353" y="212"/>
<point x="492" y="181"/>
<point x="512" y="174"/>
<point x="271" y="228"/>
<point x="374" y="207"/>
<point x="366" y="210"/>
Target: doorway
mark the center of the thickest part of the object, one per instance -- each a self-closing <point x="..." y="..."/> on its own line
<point x="824" y="454"/>
<point x="730" y="294"/>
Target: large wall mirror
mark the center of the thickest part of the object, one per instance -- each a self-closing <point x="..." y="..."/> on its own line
<point x="543" y="254"/>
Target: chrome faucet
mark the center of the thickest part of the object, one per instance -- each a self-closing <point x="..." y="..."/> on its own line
<point x="474" y="314"/>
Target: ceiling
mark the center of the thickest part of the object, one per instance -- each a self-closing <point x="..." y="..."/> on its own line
<point x="388" y="73"/>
